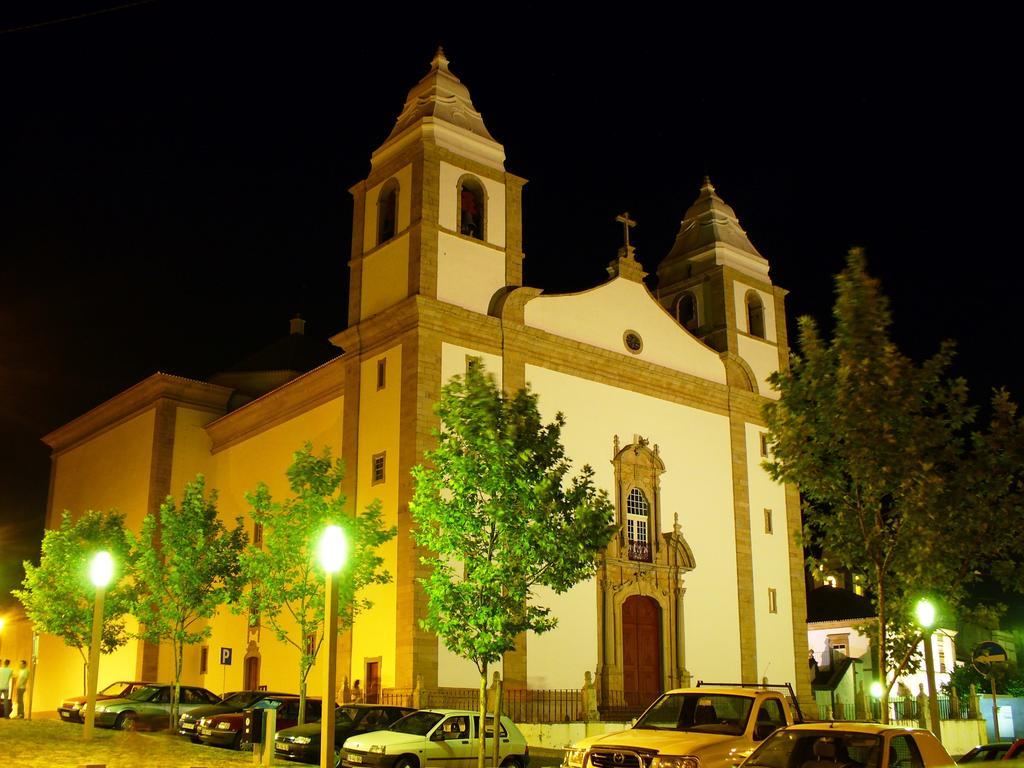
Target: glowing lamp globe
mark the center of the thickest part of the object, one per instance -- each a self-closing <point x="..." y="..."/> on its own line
<point x="925" y="613"/>
<point x="333" y="549"/>
<point x="101" y="569"/>
<point x="876" y="689"/>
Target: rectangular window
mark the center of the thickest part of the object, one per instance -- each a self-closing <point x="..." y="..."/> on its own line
<point x="473" y="363"/>
<point x="942" y="656"/>
<point x="204" y="659"/>
<point x="773" y="601"/>
<point x="257" y="535"/>
<point x="768" y="521"/>
<point x="311" y="643"/>
<point x="378" y="468"/>
<point x="382" y="373"/>
<point x="764" y="443"/>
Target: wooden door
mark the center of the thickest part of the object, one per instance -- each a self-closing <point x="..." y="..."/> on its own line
<point x="373" y="682"/>
<point x="641" y="650"/>
<point x="252" y="673"/>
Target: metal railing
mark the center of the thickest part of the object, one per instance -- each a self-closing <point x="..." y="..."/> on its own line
<point x="559" y="705"/>
<point x="902" y="709"/>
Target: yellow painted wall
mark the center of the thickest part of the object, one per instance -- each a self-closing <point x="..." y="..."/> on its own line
<point x="763" y="359"/>
<point x="111" y="471"/>
<point x="373" y="634"/>
<point x="404" y="179"/>
<point x="697" y="484"/>
<point x="235" y="471"/>
<point x="385" y="279"/>
<point x="602" y="315"/>
<point x="468" y="273"/>
<point x="770" y="560"/>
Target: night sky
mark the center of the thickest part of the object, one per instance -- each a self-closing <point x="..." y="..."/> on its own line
<point x="174" y="176"/>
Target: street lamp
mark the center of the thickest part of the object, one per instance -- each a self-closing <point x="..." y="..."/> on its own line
<point x="333" y="550"/>
<point x="926" y="618"/>
<point x="101" y="570"/>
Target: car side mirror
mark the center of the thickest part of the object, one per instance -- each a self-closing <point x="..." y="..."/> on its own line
<point x="763" y="730"/>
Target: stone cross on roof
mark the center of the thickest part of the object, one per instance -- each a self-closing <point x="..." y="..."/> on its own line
<point x="627" y="223"/>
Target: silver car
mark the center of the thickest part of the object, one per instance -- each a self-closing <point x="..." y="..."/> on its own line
<point x="149" y="707"/>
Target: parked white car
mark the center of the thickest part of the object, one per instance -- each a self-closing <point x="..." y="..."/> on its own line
<point x="434" y="738"/>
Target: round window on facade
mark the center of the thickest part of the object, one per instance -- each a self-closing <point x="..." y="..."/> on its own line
<point x="633" y="342"/>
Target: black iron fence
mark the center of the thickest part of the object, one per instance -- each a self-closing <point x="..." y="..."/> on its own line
<point x="901" y="709"/>
<point x="561" y="705"/>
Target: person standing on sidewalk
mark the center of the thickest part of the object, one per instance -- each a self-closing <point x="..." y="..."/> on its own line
<point x="5" y="688"/>
<point x="22" y="685"/>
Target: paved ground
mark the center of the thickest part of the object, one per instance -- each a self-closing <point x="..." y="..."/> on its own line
<point x="53" y="744"/>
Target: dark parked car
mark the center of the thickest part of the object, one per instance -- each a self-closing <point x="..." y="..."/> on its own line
<point x="1000" y="750"/>
<point x="228" y="730"/>
<point x="149" y="707"/>
<point x="70" y="709"/>
<point x="302" y="742"/>
<point x="233" y="702"/>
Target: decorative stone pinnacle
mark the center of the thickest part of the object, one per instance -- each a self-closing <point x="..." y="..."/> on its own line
<point x="707" y="184"/>
<point x="440" y="61"/>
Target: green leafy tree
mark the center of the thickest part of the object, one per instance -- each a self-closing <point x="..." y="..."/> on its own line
<point x="187" y="567"/>
<point x="894" y="485"/>
<point x="285" y="582"/>
<point x="58" y="595"/>
<point x="494" y="506"/>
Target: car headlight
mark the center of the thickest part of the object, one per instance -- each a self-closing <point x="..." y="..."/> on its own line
<point x="224" y="725"/>
<point x="377" y="749"/>
<point x="675" y="761"/>
<point x="302" y="740"/>
<point x="575" y="756"/>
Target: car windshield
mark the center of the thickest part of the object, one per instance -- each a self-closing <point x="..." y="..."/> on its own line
<point x="700" y="712"/>
<point x="243" y="699"/>
<point x="793" y="749"/>
<point x="145" y="693"/>
<point x="345" y="716"/>
<point x="116" y="689"/>
<point x="418" y="723"/>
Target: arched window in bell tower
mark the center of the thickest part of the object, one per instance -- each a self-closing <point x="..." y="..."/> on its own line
<point x="755" y="315"/>
<point x="387" y="211"/>
<point x="472" y="202"/>
<point x="686" y="312"/>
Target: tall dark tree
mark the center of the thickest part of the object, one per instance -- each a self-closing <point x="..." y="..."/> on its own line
<point x="187" y="569"/>
<point x="497" y="510"/>
<point x="894" y="485"/>
<point x="58" y="595"/>
<point x="285" y="586"/>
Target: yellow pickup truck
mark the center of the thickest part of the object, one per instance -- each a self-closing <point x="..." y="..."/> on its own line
<point x="704" y="727"/>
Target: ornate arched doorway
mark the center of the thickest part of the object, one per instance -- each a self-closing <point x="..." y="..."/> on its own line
<point x="641" y="650"/>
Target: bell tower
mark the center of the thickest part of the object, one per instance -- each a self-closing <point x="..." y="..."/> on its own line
<point x="716" y="284"/>
<point x="438" y="215"/>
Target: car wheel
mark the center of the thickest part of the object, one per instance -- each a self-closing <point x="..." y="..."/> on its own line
<point x="406" y="762"/>
<point x="126" y="721"/>
<point x="512" y="762"/>
<point x="242" y="743"/>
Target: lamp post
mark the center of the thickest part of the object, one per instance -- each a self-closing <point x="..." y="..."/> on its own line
<point x="877" y="690"/>
<point x="101" y="569"/>
<point x="926" y="618"/>
<point x="333" y="550"/>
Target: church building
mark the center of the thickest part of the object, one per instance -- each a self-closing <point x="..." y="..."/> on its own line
<point x="662" y="394"/>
